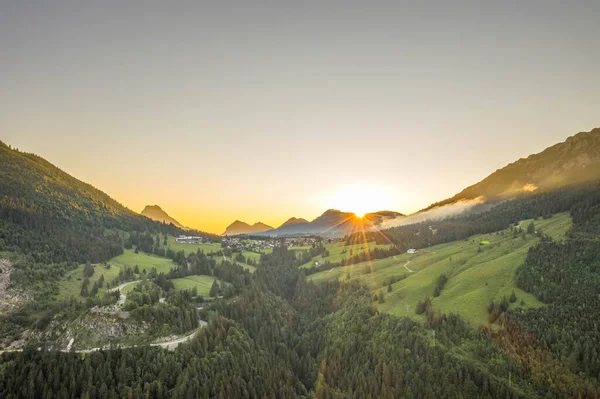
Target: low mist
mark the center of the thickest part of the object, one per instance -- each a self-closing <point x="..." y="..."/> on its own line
<point x="437" y="213"/>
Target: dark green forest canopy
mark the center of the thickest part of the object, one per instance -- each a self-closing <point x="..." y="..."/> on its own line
<point x="567" y="277"/>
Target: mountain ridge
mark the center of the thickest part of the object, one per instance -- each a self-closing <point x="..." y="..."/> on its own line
<point x="293" y="220"/>
<point x="156" y="213"/>
<point x="573" y="161"/>
<point x="334" y="222"/>
<point x="239" y="227"/>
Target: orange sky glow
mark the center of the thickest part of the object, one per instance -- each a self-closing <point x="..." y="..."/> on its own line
<point x="265" y="112"/>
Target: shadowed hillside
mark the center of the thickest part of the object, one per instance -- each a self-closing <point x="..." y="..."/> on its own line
<point x="574" y="161"/>
<point x="53" y="217"/>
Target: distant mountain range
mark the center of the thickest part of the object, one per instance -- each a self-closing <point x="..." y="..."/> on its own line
<point x="155" y="212"/>
<point x="331" y="223"/>
<point x="574" y="161"/>
<point x="293" y="221"/>
<point x="335" y="223"/>
<point x="239" y="227"/>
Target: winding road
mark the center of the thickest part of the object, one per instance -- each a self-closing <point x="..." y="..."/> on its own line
<point x="122" y="286"/>
<point x="123" y="297"/>
<point x="170" y="345"/>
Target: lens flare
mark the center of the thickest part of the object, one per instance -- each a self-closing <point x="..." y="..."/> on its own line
<point x="359" y="200"/>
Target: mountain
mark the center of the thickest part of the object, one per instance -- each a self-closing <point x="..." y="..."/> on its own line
<point x="239" y="227"/>
<point x="292" y="221"/>
<point x="33" y="184"/>
<point x="53" y="217"/>
<point x="333" y="223"/>
<point x="574" y="161"/>
<point x="155" y="212"/>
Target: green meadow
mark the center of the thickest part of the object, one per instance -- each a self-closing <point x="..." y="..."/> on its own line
<point x="202" y="284"/>
<point x="476" y="273"/>
<point x="251" y="255"/>
<point x="143" y="261"/>
<point x="70" y="284"/>
<point x="189" y="248"/>
<point x="338" y="251"/>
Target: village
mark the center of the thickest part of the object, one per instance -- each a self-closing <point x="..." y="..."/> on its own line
<point x="244" y="244"/>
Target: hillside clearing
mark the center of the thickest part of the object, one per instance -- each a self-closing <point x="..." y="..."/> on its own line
<point x="70" y="285"/>
<point x="338" y="251"/>
<point x="202" y="284"/>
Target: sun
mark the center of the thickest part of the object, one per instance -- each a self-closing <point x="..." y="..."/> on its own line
<point x="359" y="200"/>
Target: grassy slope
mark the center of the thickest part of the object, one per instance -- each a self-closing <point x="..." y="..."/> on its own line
<point x="143" y="261"/>
<point x="189" y="248"/>
<point x="336" y="251"/>
<point x="211" y="248"/>
<point x="203" y="283"/>
<point x="129" y="258"/>
<point x="72" y="287"/>
<point x="474" y="278"/>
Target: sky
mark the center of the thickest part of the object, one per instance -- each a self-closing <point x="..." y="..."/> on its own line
<point x="261" y="111"/>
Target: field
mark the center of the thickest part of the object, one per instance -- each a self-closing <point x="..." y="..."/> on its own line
<point x="143" y="261"/>
<point x="202" y="283"/>
<point x="338" y="251"/>
<point x="189" y="248"/>
<point x="70" y="285"/>
<point x="476" y="273"/>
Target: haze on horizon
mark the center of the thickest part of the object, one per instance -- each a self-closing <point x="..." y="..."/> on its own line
<point x="266" y="111"/>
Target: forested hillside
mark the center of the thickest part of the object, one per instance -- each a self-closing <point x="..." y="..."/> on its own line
<point x="566" y="276"/>
<point x="53" y="217"/>
<point x="575" y="161"/>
